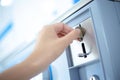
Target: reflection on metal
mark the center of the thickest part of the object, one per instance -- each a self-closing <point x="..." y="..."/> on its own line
<point x="86" y="50"/>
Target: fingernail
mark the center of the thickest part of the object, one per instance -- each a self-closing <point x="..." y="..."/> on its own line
<point x="78" y="30"/>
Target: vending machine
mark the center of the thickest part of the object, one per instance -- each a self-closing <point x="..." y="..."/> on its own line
<point x="97" y="55"/>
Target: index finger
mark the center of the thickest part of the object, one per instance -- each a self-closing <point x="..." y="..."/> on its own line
<point x="61" y="27"/>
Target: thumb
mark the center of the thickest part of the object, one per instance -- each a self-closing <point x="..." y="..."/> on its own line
<point x="74" y="34"/>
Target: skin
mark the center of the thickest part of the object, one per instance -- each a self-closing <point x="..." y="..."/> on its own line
<point x="50" y="43"/>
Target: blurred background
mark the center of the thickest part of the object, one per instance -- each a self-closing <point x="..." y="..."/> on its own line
<point x="20" y="21"/>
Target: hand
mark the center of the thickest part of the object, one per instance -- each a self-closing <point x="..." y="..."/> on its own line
<point x="52" y="40"/>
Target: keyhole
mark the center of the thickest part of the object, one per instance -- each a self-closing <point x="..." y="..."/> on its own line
<point x="94" y="77"/>
<point x="84" y="50"/>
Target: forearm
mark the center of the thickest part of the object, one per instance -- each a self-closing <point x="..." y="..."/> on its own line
<point x="38" y="61"/>
<point x="20" y="71"/>
<point x="27" y="69"/>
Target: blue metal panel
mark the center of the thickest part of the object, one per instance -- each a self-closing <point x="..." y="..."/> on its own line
<point x="100" y="34"/>
<point x="83" y="73"/>
<point x="93" y="69"/>
<point x="117" y="6"/>
<point x="106" y="20"/>
<point x="108" y="30"/>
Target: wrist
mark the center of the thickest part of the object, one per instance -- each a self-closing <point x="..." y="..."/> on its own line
<point x="37" y="60"/>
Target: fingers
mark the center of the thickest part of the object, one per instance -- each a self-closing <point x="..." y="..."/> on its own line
<point x="61" y="27"/>
<point x="73" y="35"/>
<point x="65" y="33"/>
